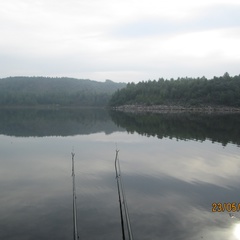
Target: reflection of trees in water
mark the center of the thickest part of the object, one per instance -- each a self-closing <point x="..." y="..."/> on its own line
<point x="223" y="128"/>
<point x="54" y="122"/>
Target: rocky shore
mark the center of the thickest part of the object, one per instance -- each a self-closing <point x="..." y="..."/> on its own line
<point x="175" y="108"/>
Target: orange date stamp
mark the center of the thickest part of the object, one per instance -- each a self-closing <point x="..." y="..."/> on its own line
<point x="226" y="207"/>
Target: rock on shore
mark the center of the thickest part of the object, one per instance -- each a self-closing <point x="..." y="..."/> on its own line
<point x="174" y="108"/>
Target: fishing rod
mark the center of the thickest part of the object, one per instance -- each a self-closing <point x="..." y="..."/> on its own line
<point x="122" y="199"/>
<point x="75" y="229"/>
<point x="119" y="196"/>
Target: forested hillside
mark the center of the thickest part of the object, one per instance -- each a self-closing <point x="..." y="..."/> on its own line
<point x="35" y="91"/>
<point x="219" y="91"/>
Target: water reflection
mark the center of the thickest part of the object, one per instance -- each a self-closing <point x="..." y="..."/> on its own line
<point x="170" y="184"/>
<point x="237" y="231"/>
<point x="223" y="128"/>
<point x="55" y="122"/>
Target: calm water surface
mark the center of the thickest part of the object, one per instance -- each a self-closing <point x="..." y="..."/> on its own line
<point x="175" y="166"/>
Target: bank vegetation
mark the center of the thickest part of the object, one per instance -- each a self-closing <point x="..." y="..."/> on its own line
<point x="180" y="94"/>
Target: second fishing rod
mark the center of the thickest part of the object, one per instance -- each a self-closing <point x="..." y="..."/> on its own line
<point x="122" y="200"/>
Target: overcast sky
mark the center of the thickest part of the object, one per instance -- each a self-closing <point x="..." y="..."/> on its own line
<point x="121" y="40"/>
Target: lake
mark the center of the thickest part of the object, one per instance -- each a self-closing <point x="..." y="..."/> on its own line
<point x="181" y="173"/>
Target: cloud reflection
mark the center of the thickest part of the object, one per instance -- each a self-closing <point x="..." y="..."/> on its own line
<point x="170" y="186"/>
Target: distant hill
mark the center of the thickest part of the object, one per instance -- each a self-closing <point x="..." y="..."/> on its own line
<point x="35" y="91"/>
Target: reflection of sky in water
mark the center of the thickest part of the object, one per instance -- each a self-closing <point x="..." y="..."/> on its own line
<point x="170" y="187"/>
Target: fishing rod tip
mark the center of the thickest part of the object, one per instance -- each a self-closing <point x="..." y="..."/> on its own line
<point x="72" y="149"/>
<point x="116" y="147"/>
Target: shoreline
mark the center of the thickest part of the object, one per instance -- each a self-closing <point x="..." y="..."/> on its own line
<point x="175" y="109"/>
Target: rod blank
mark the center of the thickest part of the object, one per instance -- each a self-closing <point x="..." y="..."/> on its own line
<point x="122" y="200"/>
<point x="75" y="229"/>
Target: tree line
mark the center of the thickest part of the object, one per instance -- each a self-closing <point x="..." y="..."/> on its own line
<point x="220" y="91"/>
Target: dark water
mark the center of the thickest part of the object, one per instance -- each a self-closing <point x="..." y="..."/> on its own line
<point x="175" y="166"/>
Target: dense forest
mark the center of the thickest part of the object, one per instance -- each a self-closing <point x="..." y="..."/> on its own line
<point x="220" y="91"/>
<point x="35" y="91"/>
